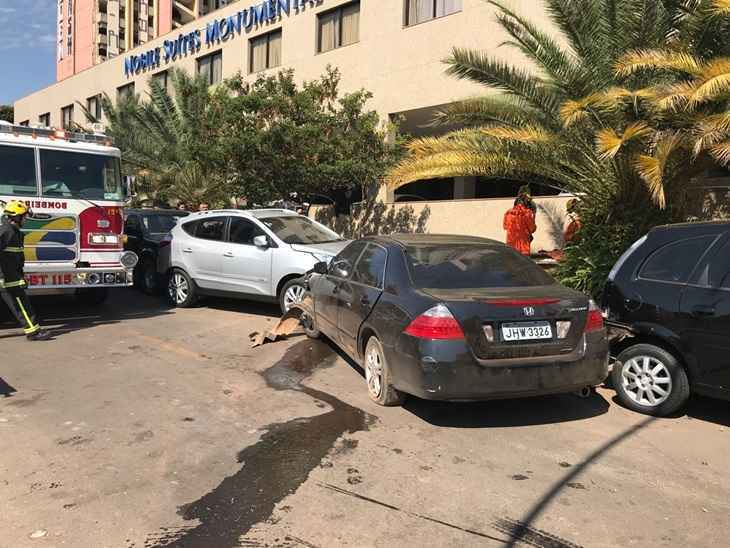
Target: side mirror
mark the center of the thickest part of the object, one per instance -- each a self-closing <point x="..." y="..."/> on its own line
<point x="341" y="269"/>
<point x="320" y="268"/>
<point x="261" y="242"/>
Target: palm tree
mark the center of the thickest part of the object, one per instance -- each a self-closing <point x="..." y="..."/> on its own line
<point x="585" y="117"/>
<point x="161" y="138"/>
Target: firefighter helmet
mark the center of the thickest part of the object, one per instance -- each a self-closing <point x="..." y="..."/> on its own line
<point x="15" y="209"/>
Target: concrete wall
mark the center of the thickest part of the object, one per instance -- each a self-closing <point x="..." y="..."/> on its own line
<point x="467" y="217"/>
<point x="402" y="66"/>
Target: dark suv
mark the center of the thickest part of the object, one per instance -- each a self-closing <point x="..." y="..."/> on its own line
<point x="145" y="230"/>
<point x="668" y="298"/>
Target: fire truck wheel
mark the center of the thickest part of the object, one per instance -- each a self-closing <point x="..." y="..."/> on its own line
<point x="92" y="297"/>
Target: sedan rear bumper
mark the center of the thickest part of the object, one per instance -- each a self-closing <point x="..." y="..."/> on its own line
<point x="447" y="370"/>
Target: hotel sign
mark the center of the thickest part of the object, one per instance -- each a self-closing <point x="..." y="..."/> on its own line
<point x="215" y="32"/>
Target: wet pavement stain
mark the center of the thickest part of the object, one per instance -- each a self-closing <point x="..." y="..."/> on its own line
<point x="275" y="466"/>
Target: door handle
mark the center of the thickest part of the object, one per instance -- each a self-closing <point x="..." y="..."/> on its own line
<point x="703" y="311"/>
<point x="188" y="250"/>
<point x="228" y="254"/>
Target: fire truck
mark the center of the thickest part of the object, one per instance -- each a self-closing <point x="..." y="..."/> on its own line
<point x="72" y="183"/>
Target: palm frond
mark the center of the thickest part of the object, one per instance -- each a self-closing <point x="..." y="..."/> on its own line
<point x="609" y="143"/>
<point x="493" y="109"/>
<point x="720" y="7"/>
<point x="712" y="83"/>
<point x="721" y="152"/>
<point x="652" y="167"/>
<point x="641" y="60"/>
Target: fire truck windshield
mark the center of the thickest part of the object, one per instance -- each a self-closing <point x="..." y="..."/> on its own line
<point x="78" y="175"/>
<point x="64" y="174"/>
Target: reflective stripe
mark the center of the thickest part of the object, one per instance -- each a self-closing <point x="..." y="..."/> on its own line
<point x="31" y="330"/>
<point x="19" y="283"/>
<point x="13" y="249"/>
<point x="31" y="326"/>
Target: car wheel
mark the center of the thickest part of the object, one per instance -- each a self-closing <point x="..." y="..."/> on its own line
<point x="181" y="289"/>
<point x="148" y="276"/>
<point x="650" y="380"/>
<point x="310" y="327"/>
<point x="378" y="376"/>
<point x="292" y="293"/>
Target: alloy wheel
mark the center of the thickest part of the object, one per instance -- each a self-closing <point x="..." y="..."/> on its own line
<point x="646" y="380"/>
<point x="294" y="295"/>
<point x="374" y="371"/>
<point x="178" y="288"/>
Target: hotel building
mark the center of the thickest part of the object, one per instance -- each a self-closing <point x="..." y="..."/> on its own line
<point x="393" y="48"/>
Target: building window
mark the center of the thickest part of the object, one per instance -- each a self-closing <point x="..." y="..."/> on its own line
<point x="419" y="11"/>
<point x="25" y="123"/>
<point x="162" y="79"/>
<point x="338" y="27"/>
<point x="210" y="67"/>
<point x="67" y="116"/>
<point x="93" y="106"/>
<point x="125" y="92"/>
<point x="265" y="51"/>
<point x="45" y="119"/>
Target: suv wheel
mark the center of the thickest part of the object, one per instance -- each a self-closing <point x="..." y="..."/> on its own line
<point x="148" y="276"/>
<point x="292" y="293"/>
<point x="650" y="380"/>
<point x="181" y="289"/>
<point x="378" y="376"/>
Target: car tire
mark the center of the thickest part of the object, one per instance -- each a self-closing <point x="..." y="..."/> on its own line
<point x="92" y="297"/>
<point x="310" y="327"/>
<point x="650" y="380"/>
<point x="181" y="291"/>
<point x="290" y="293"/>
<point x="378" y="376"/>
<point x="148" y="276"/>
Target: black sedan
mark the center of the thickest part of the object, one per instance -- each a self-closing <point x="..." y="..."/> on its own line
<point x="145" y="231"/>
<point x="668" y="304"/>
<point x="455" y="318"/>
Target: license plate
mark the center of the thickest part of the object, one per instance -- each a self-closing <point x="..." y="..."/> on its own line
<point x="527" y="331"/>
<point x="54" y="279"/>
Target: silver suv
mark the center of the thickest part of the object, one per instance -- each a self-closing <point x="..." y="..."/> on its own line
<point x="259" y="254"/>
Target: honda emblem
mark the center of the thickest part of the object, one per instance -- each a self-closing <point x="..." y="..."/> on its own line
<point x="529" y="311"/>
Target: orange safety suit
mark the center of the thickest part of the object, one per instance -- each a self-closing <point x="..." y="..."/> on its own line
<point x="519" y="222"/>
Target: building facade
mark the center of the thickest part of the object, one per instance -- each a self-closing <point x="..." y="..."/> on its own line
<point x="392" y="48"/>
<point x="93" y="31"/>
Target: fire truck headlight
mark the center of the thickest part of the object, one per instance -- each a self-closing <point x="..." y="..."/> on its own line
<point x="104" y="239"/>
<point x="129" y="259"/>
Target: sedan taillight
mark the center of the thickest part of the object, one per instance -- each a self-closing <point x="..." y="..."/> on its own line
<point x="595" y="318"/>
<point x="437" y="323"/>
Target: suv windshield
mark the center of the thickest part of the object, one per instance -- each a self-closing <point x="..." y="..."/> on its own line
<point x="472" y="266"/>
<point x="17" y="171"/>
<point x="78" y="175"/>
<point x="299" y="230"/>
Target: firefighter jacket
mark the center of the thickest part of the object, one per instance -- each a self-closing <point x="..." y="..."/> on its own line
<point x="519" y="222"/>
<point x="12" y="257"/>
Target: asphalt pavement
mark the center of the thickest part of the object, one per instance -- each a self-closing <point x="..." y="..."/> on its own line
<point x="142" y="426"/>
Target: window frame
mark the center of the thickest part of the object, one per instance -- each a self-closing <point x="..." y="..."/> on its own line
<point x="691" y="274"/>
<point x="224" y="238"/>
<point x="162" y="74"/>
<point x="127" y="90"/>
<point x="209" y="56"/>
<point x="434" y="17"/>
<point x="268" y="36"/>
<point x="354" y="278"/>
<point x="233" y="218"/>
<point x="338" y="10"/>
<point x="338" y="259"/>
<point x="45" y="119"/>
<point x="70" y="110"/>
<point x="98" y="110"/>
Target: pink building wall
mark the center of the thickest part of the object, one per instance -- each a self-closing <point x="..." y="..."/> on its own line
<point x="164" y="16"/>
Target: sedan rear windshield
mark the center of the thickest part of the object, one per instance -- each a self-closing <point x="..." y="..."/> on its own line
<point x="472" y="266"/>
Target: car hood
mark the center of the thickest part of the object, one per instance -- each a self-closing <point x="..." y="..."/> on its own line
<point x="331" y="248"/>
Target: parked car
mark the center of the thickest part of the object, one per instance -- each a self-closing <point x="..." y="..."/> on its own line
<point x="257" y="254"/>
<point x="455" y="318"/>
<point x="669" y="298"/>
<point x="145" y="230"/>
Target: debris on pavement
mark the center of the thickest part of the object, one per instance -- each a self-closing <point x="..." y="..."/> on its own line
<point x="40" y="533"/>
<point x="287" y="325"/>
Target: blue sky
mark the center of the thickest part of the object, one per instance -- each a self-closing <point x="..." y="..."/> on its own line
<point x="27" y="47"/>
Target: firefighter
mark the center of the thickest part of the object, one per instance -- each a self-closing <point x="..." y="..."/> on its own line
<point x="12" y="261"/>
<point x="519" y="223"/>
